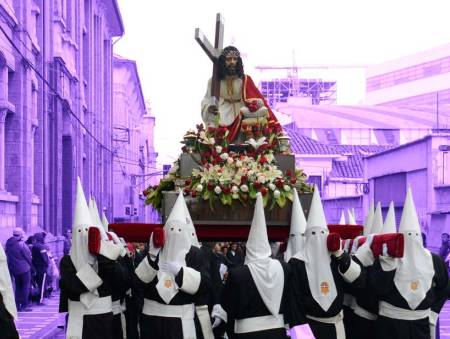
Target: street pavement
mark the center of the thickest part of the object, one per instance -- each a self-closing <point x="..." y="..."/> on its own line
<point x="41" y="322"/>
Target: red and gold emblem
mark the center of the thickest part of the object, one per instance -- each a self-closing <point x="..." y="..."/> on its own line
<point x="168" y="283"/>
<point x="324" y="288"/>
<point x="414" y="285"/>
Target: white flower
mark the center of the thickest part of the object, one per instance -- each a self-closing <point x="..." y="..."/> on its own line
<point x="234" y="189"/>
<point x="219" y="149"/>
<point x="272" y="187"/>
<point x="276" y="194"/>
<point x="230" y="160"/>
<point x="287" y="188"/>
<point x="217" y="190"/>
<point x="199" y="188"/>
<point x="262" y="178"/>
<point x="244" y="188"/>
<point x="224" y="156"/>
<point x="238" y="163"/>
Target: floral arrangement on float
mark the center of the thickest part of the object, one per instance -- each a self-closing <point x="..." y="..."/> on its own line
<point x="234" y="173"/>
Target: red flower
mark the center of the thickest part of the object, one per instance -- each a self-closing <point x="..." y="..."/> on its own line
<point x="257" y="184"/>
<point x="226" y="190"/>
<point x="188" y="182"/>
<point x="244" y="179"/>
<point x="289" y="173"/>
<point x="262" y="160"/>
<point x="193" y="193"/>
<point x="187" y="190"/>
<point x="252" y="106"/>
<point x="279" y="183"/>
<point x="211" y="186"/>
<point x="293" y="180"/>
<point x="264" y="191"/>
<point x="211" y="129"/>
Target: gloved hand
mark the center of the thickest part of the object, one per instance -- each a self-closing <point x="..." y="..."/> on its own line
<point x="152" y="250"/>
<point x="385" y="250"/>
<point x="334" y="244"/>
<point x="94" y="240"/>
<point x="170" y="267"/>
<point x="217" y="322"/>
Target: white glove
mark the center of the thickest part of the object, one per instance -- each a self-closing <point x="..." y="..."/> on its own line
<point x="152" y="250"/>
<point x="385" y="250"/>
<point x="217" y="322"/>
<point x="339" y="252"/>
<point x="170" y="267"/>
<point x="369" y="239"/>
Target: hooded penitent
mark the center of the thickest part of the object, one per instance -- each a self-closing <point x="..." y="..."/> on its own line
<point x="377" y="225"/>
<point x="79" y="252"/>
<point x="190" y="226"/>
<point x="389" y="222"/>
<point x="342" y="219"/>
<point x="267" y="273"/>
<point x="6" y="285"/>
<point x="105" y="222"/>
<point x="298" y="226"/>
<point x="369" y="219"/>
<point x="176" y="246"/>
<point x="96" y="221"/>
<point x="415" y="270"/>
<point x="316" y="256"/>
<point x="351" y="218"/>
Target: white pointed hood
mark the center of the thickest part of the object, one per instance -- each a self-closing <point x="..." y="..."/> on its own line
<point x="369" y="219"/>
<point x="105" y="222"/>
<point x="176" y="246"/>
<point x="377" y="225"/>
<point x="6" y="288"/>
<point x="316" y="256"/>
<point x="342" y="219"/>
<point x="267" y="273"/>
<point x="389" y="222"/>
<point x="298" y="227"/>
<point x="79" y="252"/>
<point x="351" y="218"/>
<point x="95" y="217"/>
<point x="415" y="271"/>
<point x="190" y="227"/>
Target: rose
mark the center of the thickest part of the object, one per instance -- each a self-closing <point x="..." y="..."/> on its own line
<point x="187" y="182"/>
<point x="272" y="187"/>
<point x="262" y="160"/>
<point x="219" y="149"/>
<point x="244" y="188"/>
<point x="276" y="194"/>
<point x="217" y="190"/>
<point x="238" y="163"/>
<point x="187" y="190"/>
<point x="279" y="183"/>
<point x="224" y="156"/>
<point x="230" y="160"/>
<point x="264" y="190"/>
<point x="244" y="179"/>
<point x="293" y="180"/>
<point x="287" y="188"/>
<point x="257" y="184"/>
<point x="199" y="187"/>
<point x="226" y="190"/>
<point x="252" y="106"/>
<point x="210" y="186"/>
<point x="234" y="189"/>
<point x="193" y="194"/>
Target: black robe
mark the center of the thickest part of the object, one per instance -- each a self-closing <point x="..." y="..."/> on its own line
<point x="356" y="326"/>
<point x="98" y="326"/>
<point x="119" y="290"/>
<point x="7" y="326"/>
<point x="241" y="299"/>
<point x="304" y="302"/>
<point x="382" y="282"/>
<point x="153" y="327"/>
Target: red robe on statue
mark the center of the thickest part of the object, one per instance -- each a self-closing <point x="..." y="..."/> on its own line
<point x="249" y="91"/>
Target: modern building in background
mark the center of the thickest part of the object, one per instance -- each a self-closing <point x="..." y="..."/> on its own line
<point x="419" y="82"/>
<point x="134" y="154"/>
<point x="424" y="165"/>
<point x="56" y="110"/>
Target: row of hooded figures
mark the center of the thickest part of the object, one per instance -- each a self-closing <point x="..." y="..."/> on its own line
<point x="335" y="289"/>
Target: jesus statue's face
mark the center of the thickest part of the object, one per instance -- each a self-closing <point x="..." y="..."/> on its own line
<point x="230" y="64"/>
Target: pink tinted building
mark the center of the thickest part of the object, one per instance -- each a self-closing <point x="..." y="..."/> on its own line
<point x="134" y="162"/>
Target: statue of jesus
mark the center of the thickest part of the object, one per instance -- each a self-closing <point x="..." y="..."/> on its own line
<point x="238" y="95"/>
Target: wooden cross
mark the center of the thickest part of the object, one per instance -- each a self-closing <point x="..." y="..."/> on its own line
<point x="213" y="52"/>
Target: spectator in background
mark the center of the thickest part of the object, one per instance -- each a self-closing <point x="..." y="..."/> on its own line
<point x="19" y="264"/>
<point x="234" y="255"/>
<point x="67" y="242"/>
<point x="445" y="248"/>
<point x="40" y="261"/>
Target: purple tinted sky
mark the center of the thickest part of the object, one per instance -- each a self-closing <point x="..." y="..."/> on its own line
<point x="173" y="69"/>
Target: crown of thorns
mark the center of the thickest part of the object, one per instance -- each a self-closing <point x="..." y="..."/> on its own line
<point x="231" y="53"/>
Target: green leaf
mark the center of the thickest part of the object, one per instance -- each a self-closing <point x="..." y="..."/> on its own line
<point x="252" y="193"/>
<point x="265" y="199"/>
<point x="289" y="195"/>
<point x="281" y="200"/>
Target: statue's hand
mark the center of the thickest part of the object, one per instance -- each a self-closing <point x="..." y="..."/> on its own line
<point x="212" y="109"/>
